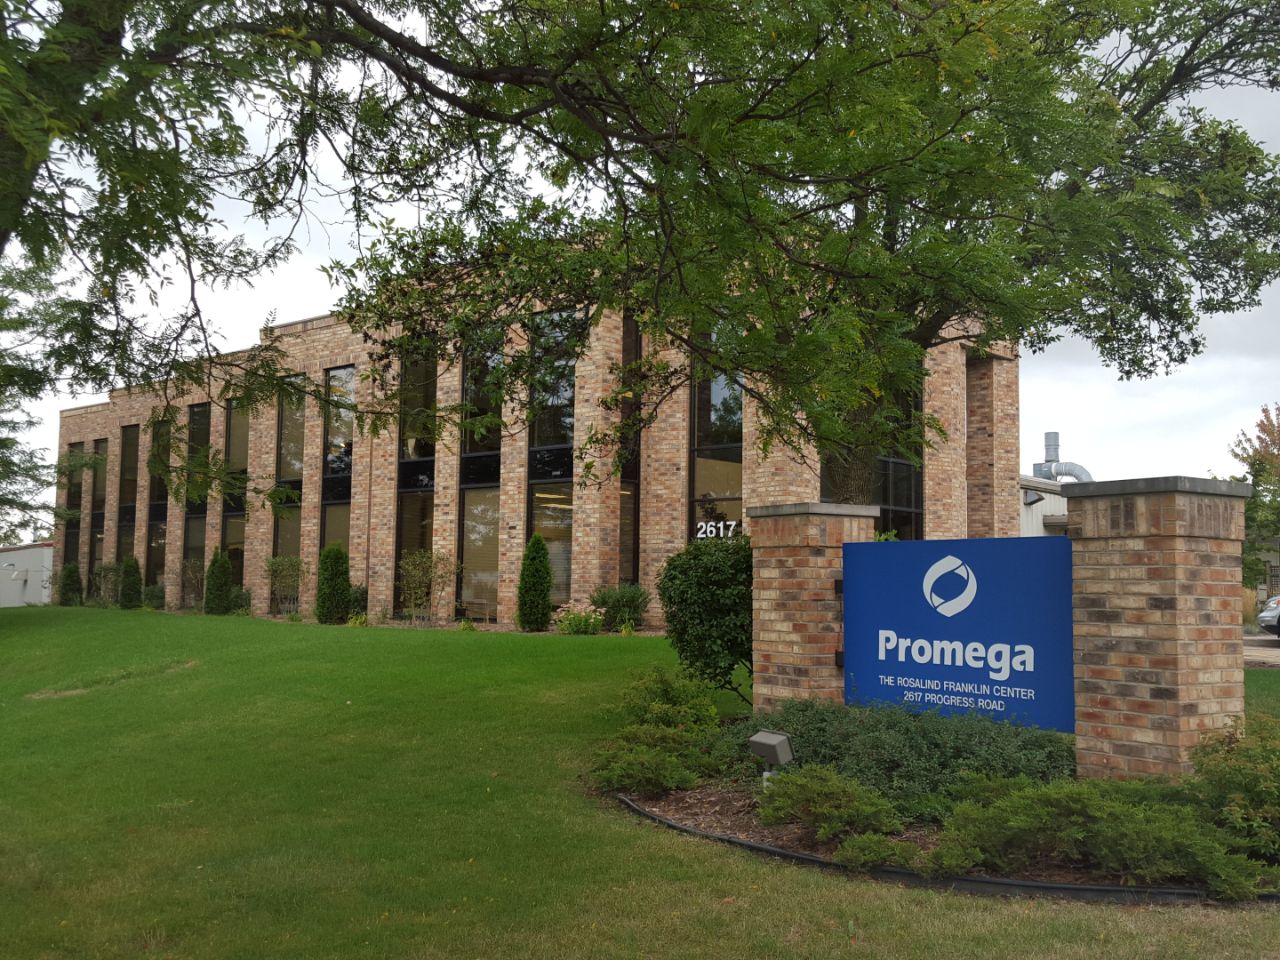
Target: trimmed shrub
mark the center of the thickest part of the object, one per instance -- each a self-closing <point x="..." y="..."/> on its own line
<point x="830" y="805"/>
<point x="533" y="596"/>
<point x="1237" y="782"/>
<point x="130" y="584"/>
<point x="359" y="599"/>
<point x="863" y="851"/>
<point x="705" y="591"/>
<point x="218" y="586"/>
<point x="623" y="604"/>
<point x="913" y="759"/>
<point x="70" y="589"/>
<point x="241" y="601"/>
<point x="666" y="744"/>
<point x="153" y="596"/>
<point x="1091" y="824"/>
<point x="333" y="585"/>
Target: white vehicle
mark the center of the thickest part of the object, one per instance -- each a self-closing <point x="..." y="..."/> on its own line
<point x="1267" y="617"/>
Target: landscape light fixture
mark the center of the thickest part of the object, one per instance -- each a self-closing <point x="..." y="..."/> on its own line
<point x="773" y="748"/>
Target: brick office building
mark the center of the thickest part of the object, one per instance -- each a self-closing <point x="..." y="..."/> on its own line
<point x="480" y="499"/>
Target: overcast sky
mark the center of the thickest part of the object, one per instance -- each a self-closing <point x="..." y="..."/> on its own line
<point x="1178" y="424"/>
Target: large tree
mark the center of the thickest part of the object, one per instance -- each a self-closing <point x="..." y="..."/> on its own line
<point x="1259" y="454"/>
<point x="802" y="196"/>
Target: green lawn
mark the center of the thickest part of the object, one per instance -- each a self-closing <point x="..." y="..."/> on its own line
<point x="231" y="788"/>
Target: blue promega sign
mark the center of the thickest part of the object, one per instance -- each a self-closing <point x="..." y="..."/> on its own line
<point x="962" y="625"/>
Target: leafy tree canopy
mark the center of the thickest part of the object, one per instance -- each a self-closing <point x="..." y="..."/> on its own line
<point x="801" y="196"/>
<point x="1260" y="456"/>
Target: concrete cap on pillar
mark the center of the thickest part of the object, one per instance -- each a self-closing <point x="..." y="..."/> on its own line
<point x="813" y="509"/>
<point x="1145" y="485"/>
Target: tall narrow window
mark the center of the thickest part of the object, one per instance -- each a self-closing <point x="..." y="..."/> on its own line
<point x="629" y="482"/>
<point x="236" y="457"/>
<point x="415" y="507"/>
<point x="75" y="503"/>
<point x="98" y="508"/>
<point x="127" y="515"/>
<point x="157" y="503"/>
<point x="289" y="432"/>
<point x="197" y="479"/>
<point x="715" y="460"/>
<point x="339" y="445"/>
<point x="480" y="467"/>
<point x="550" y="498"/>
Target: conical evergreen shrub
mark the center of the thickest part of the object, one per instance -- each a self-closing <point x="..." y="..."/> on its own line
<point x="218" y="586"/>
<point x="333" y="586"/>
<point x="130" y="584"/>
<point x="533" y="597"/>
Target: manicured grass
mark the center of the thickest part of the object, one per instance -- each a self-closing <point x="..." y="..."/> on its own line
<point x="1262" y="691"/>
<point x="229" y="788"/>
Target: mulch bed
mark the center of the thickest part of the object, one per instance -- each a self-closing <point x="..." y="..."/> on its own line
<point x="729" y="810"/>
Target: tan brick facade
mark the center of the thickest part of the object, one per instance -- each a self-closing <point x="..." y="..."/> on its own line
<point x="1158" y="650"/>
<point x="315" y="346"/>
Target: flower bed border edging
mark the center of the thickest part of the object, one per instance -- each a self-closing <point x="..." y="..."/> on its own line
<point x="982" y="886"/>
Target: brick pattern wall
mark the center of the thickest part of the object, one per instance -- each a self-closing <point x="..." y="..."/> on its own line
<point x="797" y="613"/>
<point x="444" y="522"/>
<point x="946" y="503"/>
<point x="992" y="447"/>
<point x="1158" y="648"/>
<point x="596" y="503"/>
<point x="314" y="346"/>
<point x="664" y="491"/>
<point x="784" y="476"/>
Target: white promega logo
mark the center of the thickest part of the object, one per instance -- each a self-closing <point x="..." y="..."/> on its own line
<point x="950" y="564"/>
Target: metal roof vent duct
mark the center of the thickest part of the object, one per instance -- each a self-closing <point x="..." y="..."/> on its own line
<point x="1055" y="469"/>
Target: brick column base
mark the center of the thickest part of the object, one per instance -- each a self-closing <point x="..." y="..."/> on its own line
<point x="796" y="607"/>
<point x="1159" y="653"/>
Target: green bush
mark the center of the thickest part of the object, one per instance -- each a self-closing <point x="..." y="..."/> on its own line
<point x="663" y="697"/>
<point x="830" y="805"/>
<point x="333" y="585"/>
<point x="105" y="589"/>
<point x="533" y="595"/>
<point x="862" y="851"/>
<point x="578" y="618"/>
<point x="218" y="585"/>
<point x="130" y="584"/>
<point x="665" y="745"/>
<point x="647" y="771"/>
<point x="1093" y="825"/>
<point x="241" y="601"/>
<point x="911" y="758"/>
<point x="284" y="577"/>
<point x="1237" y="781"/>
<point x="623" y="604"/>
<point x="153" y="596"/>
<point x="426" y="579"/>
<point x="359" y="599"/>
<point x="705" y="591"/>
<point x="70" y="590"/>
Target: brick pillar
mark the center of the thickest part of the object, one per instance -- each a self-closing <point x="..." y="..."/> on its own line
<point x="796" y="609"/>
<point x="513" y="486"/>
<point x="444" y="520"/>
<point x="379" y="465"/>
<point x="664" y="487"/>
<point x="1158" y="650"/>
<point x="991" y="441"/>
<point x="217" y="447"/>
<point x="597" y="504"/>
<point x="142" y="509"/>
<point x="946" y="504"/>
<point x="260" y="521"/>
<point x="111" y="509"/>
<point x="175" y="518"/>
